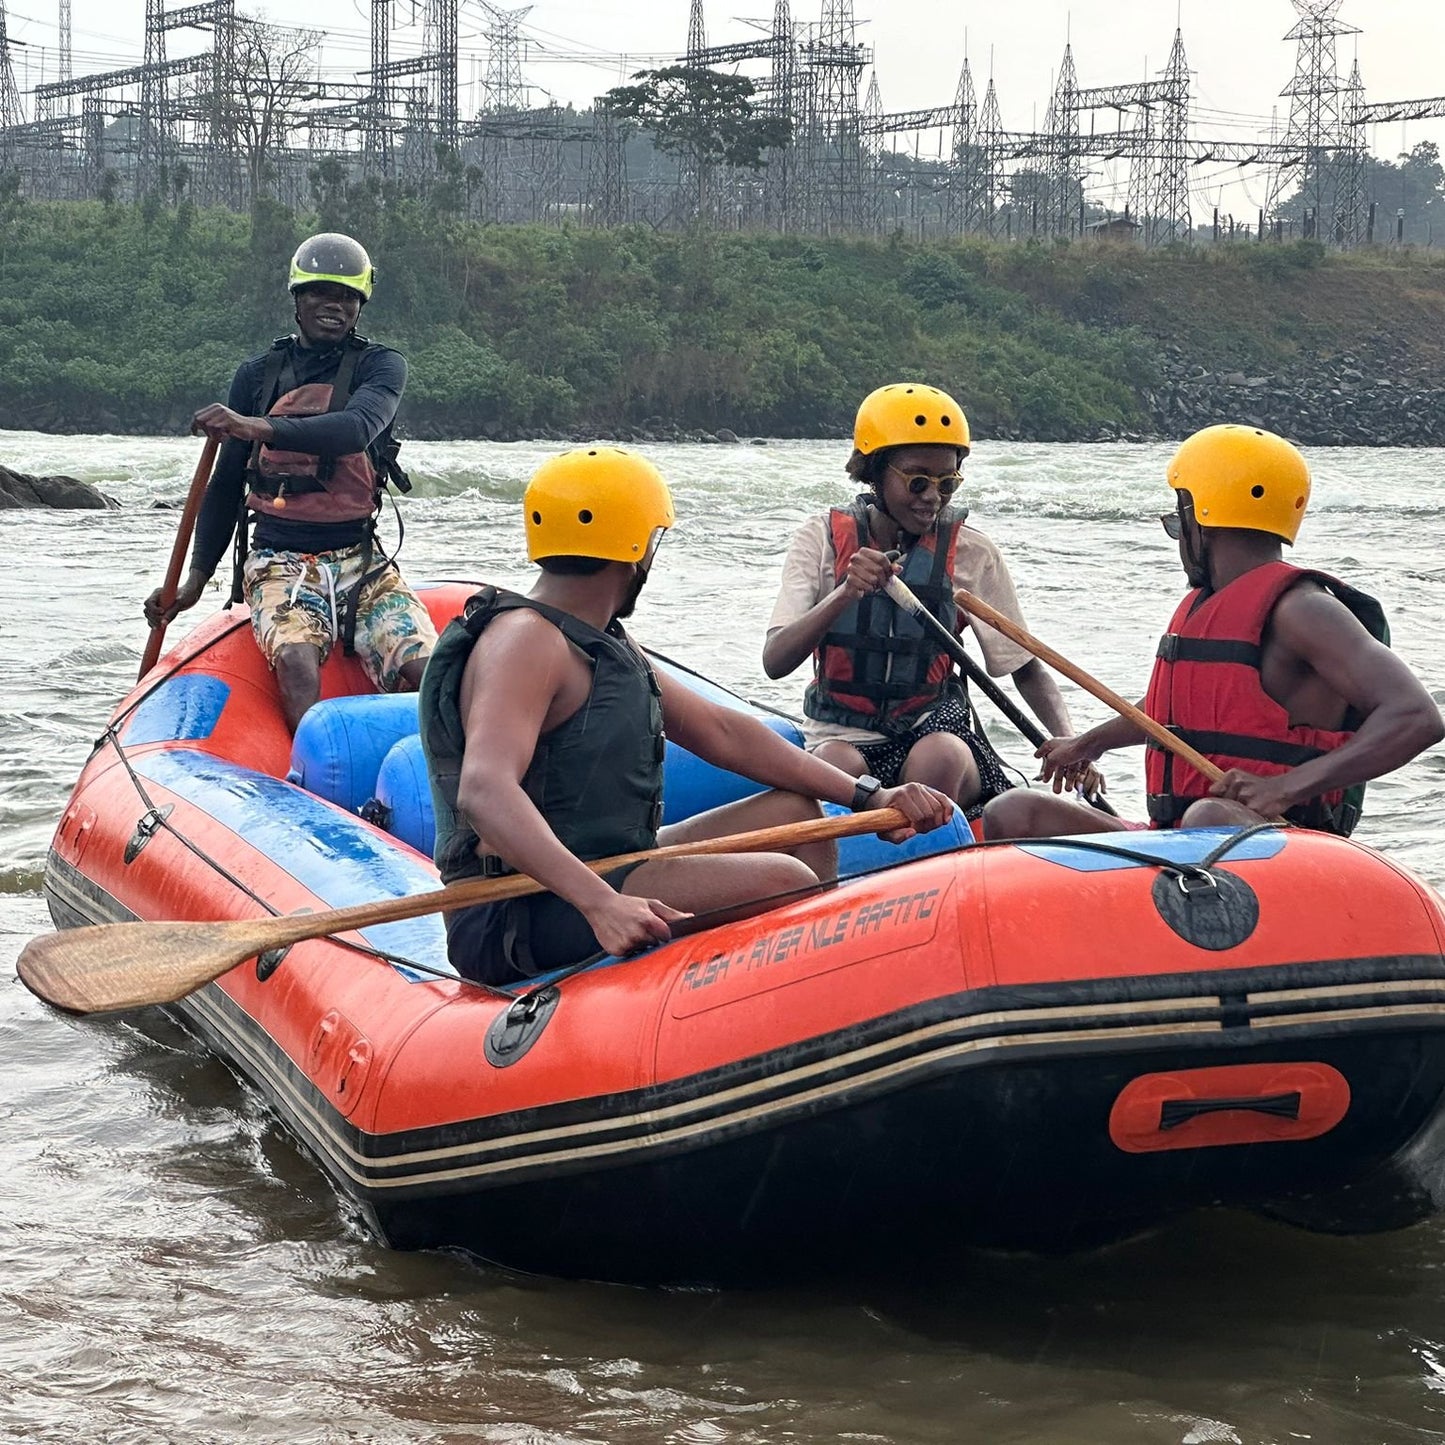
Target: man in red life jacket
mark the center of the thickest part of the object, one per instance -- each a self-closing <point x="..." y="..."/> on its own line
<point x="307" y="452"/>
<point x="1271" y="671"/>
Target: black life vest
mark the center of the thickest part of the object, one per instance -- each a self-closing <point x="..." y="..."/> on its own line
<point x="596" y="778"/>
<point x="877" y="667"/>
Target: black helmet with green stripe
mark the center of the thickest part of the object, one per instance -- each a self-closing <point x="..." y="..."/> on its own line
<point x="330" y="256"/>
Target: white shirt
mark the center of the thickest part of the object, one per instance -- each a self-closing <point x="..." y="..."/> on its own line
<point x="809" y="576"/>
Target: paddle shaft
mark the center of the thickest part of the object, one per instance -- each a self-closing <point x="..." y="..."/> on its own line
<point x="1059" y="663"/>
<point x="115" y="966"/>
<point x="905" y="597"/>
<point x="472" y="891"/>
<point x="179" y="547"/>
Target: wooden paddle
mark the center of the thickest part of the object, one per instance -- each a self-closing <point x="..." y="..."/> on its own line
<point x="179" y="547"/>
<point x="904" y="596"/>
<point x="1060" y="663"/>
<point x="114" y="966"/>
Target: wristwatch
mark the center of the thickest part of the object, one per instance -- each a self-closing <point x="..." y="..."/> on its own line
<point x="863" y="791"/>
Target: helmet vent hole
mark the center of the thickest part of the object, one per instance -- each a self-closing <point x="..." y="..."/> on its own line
<point x="536" y="519"/>
<point x="1298" y="503"/>
<point x="592" y="453"/>
<point x="920" y="421"/>
<point x="1256" y="491"/>
<point x="945" y="421"/>
<point x="584" y="516"/>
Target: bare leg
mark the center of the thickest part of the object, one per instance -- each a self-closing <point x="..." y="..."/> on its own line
<point x="842" y="755"/>
<point x="298" y="675"/>
<point x="944" y="761"/>
<point x="699" y="885"/>
<point x="1026" y="813"/>
<point x="408" y="678"/>
<point x="1219" y="813"/>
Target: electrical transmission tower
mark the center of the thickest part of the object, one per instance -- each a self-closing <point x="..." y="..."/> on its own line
<point x="782" y="189"/>
<point x="376" y="143"/>
<point x="1065" y="182"/>
<point x="505" y="91"/>
<point x="871" y="161"/>
<point x="696" y="36"/>
<point x="1172" y="219"/>
<point x="506" y="96"/>
<point x="154" y="122"/>
<point x="835" y="163"/>
<point x="990" y="144"/>
<point x="966" y="193"/>
<point x="65" y="51"/>
<point x="1322" y="106"/>
<point x="439" y="39"/>
<point x="10" y="112"/>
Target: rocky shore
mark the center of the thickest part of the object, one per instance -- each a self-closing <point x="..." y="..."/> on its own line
<point x="1343" y="402"/>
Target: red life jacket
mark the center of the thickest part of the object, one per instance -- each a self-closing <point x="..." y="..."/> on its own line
<point x="1206" y="689"/>
<point x="300" y="486"/>
<point x="876" y="667"/>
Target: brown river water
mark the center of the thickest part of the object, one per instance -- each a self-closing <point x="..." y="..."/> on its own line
<point x="174" y="1268"/>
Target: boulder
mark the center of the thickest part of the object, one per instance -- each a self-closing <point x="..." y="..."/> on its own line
<point x="17" y="489"/>
<point x="726" y="436"/>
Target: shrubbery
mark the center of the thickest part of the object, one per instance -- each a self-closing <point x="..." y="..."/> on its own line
<point x="132" y="316"/>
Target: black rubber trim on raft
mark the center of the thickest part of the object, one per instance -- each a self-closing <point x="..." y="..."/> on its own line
<point x="1188" y="1013"/>
<point x="618" y="1129"/>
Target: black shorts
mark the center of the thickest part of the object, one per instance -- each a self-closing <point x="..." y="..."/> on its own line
<point x="520" y="938"/>
<point x="885" y="759"/>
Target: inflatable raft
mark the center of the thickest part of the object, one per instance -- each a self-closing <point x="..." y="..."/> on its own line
<point x="1045" y="1045"/>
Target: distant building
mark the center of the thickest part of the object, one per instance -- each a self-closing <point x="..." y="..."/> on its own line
<point x="1113" y="228"/>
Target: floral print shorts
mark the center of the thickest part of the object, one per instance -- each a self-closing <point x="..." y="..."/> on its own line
<point x="298" y="597"/>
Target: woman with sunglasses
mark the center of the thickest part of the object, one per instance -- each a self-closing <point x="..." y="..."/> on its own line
<point x="885" y="703"/>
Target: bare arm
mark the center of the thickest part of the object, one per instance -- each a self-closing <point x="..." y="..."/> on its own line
<point x="788" y="647"/>
<point x="1037" y="687"/>
<point x="1400" y="717"/>
<point x="741" y="744"/>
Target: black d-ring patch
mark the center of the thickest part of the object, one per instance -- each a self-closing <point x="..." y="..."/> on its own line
<point x="515" y="1030"/>
<point x="1216" y="912"/>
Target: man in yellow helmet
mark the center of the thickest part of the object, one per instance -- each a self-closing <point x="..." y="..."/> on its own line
<point x="543" y="725"/>
<point x="885" y="701"/>
<point x="307" y="453"/>
<point x="1280" y="676"/>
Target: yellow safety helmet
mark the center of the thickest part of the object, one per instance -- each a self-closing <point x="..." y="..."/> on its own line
<point x="330" y="256"/>
<point x="908" y="412"/>
<point x="596" y="502"/>
<point x="1241" y="476"/>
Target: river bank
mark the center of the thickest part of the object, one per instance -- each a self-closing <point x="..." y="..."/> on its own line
<point x="122" y="322"/>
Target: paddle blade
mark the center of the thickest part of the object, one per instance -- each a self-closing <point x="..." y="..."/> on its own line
<point x="115" y="966"/>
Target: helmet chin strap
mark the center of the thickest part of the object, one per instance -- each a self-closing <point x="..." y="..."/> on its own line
<point x="1197" y="560"/>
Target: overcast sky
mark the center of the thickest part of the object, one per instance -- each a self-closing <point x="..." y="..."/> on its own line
<point x="1237" y="53"/>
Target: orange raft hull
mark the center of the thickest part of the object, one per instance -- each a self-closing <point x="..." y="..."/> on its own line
<point x="1046" y="1045"/>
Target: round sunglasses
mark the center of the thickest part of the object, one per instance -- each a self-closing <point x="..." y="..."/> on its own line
<point x="919" y="482"/>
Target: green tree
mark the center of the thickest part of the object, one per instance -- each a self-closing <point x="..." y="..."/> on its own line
<point x="704" y="117"/>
